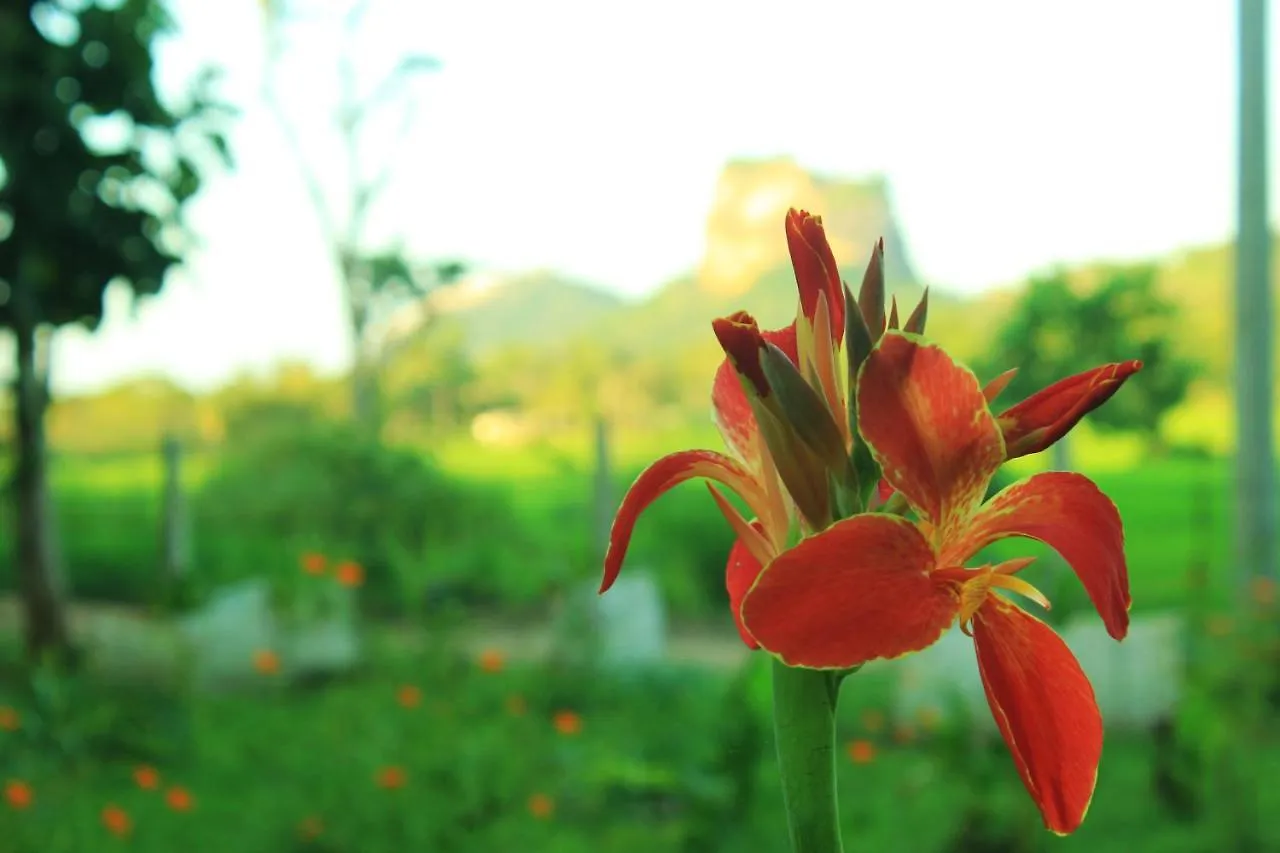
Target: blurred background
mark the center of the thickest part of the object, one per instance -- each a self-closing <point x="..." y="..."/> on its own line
<point x="339" y="329"/>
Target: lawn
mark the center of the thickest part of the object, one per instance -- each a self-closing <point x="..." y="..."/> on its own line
<point x="433" y="751"/>
<point x="442" y="754"/>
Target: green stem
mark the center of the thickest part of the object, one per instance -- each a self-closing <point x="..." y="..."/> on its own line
<point x="804" y="719"/>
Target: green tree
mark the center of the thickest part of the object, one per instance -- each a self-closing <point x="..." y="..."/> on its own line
<point x="1056" y="330"/>
<point x="94" y="173"/>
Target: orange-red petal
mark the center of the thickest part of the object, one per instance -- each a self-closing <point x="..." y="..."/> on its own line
<point x="1044" y="707"/>
<point x="740" y="573"/>
<point x="658" y="478"/>
<point x="857" y="591"/>
<point x="815" y="268"/>
<point x="730" y="406"/>
<point x="928" y="426"/>
<point x="742" y="341"/>
<point x="1047" y="415"/>
<point x="1067" y="512"/>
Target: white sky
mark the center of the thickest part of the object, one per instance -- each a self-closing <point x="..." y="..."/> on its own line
<point x="587" y="137"/>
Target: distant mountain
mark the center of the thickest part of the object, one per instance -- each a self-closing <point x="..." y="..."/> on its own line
<point x="745" y="242"/>
<point x="531" y="308"/>
<point x="745" y="265"/>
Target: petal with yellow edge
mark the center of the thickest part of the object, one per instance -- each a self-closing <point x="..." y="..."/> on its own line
<point x="1044" y="707"/>
<point x="815" y="268"/>
<point x="662" y="476"/>
<point x="857" y="591"/>
<point x="928" y="426"/>
<point x="729" y="404"/>
<point x="1047" y="415"/>
<point x="740" y="573"/>
<point x="1067" y="512"/>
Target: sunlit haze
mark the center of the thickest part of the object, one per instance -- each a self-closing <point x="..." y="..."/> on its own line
<point x="587" y="138"/>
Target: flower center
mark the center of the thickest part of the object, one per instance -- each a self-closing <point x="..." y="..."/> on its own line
<point x="976" y="585"/>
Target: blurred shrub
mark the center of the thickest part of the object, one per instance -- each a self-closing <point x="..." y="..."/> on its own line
<point x="327" y="488"/>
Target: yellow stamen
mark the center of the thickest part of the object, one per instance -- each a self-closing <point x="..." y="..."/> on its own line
<point x="1021" y="587"/>
<point x="976" y="585"/>
<point x="747" y="535"/>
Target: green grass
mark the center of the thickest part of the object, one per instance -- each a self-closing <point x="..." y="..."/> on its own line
<point x="699" y="776"/>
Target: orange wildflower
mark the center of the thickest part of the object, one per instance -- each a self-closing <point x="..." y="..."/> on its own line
<point x="567" y="722"/>
<point x="409" y="696"/>
<point x="116" y="820"/>
<point x="9" y="719"/>
<point x="873" y="721"/>
<point x="930" y="718"/>
<point x="541" y="806"/>
<point x="310" y="828"/>
<point x="178" y="799"/>
<point x="313" y="563"/>
<point x="266" y="662"/>
<point x="904" y="733"/>
<point x="1220" y="625"/>
<point x="18" y="794"/>
<point x="392" y="777"/>
<point x="350" y="573"/>
<point x="146" y="777"/>
<point x="492" y="660"/>
<point x="1263" y="590"/>
<point x="516" y="705"/>
<point x="861" y="751"/>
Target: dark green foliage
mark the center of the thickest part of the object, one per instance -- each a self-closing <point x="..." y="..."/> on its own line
<point x="1055" y="331"/>
<point x="85" y="210"/>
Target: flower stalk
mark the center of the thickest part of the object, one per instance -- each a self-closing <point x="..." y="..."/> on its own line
<point x="804" y="719"/>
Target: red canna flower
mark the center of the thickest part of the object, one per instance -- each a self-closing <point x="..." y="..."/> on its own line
<point x="777" y="464"/>
<point x="879" y="585"/>
<point x="1047" y="415"/>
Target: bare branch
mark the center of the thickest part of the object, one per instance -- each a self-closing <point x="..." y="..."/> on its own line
<point x="310" y="178"/>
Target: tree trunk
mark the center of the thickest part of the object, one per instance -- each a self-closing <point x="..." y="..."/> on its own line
<point x="366" y="390"/>
<point x="40" y="578"/>
<point x="175" y="531"/>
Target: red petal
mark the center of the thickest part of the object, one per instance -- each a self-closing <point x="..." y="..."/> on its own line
<point x="857" y="591"/>
<point x="741" y="340"/>
<point x="1045" y="709"/>
<point x="993" y="388"/>
<point x="1047" y="415"/>
<point x="732" y="411"/>
<point x="1067" y="512"/>
<point x="739" y="575"/>
<point x="658" y="478"/>
<point x="928" y="426"/>
<point x="815" y="268"/>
